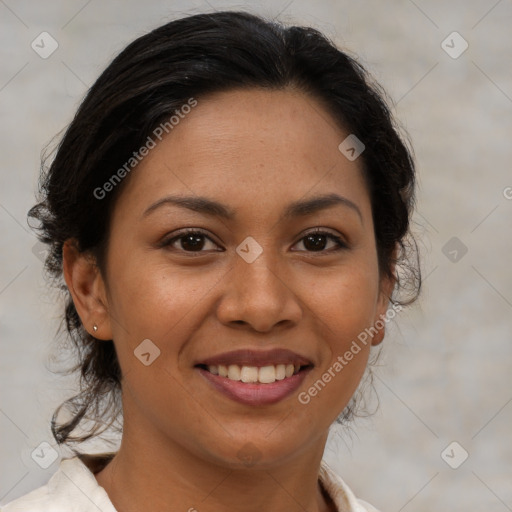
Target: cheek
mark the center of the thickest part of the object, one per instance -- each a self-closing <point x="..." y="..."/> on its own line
<point x="151" y="298"/>
<point x="344" y="300"/>
<point x="343" y="305"/>
<point x="152" y="301"/>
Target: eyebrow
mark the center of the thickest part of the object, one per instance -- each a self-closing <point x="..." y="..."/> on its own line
<point x="300" y="208"/>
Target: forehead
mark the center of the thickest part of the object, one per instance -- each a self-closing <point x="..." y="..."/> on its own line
<point x="246" y="147"/>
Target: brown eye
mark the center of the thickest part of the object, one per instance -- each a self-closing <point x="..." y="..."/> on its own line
<point x="315" y="242"/>
<point x="190" y="241"/>
<point x="322" y="241"/>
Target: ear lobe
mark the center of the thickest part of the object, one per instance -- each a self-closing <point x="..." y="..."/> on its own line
<point x="87" y="288"/>
<point x="386" y="290"/>
<point x="377" y="338"/>
<point x="379" y="323"/>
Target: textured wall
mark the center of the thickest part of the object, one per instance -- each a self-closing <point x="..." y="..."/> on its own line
<point x="446" y="370"/>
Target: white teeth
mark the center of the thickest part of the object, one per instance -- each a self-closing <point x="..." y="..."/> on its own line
<point x="234" y="372"/>
<point x="250" y="374"/>
<point x="267" y="374"/>
<point x="280" y="371"/>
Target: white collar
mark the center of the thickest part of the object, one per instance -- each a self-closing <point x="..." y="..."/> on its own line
<point x="74" y="488"/>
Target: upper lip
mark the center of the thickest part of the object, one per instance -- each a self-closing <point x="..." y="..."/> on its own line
<point x="249" y="357"/>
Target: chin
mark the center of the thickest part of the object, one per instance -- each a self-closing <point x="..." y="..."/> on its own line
<point x="257" y="452"/>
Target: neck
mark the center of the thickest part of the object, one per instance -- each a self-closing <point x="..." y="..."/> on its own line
<point x="144" y="476"/>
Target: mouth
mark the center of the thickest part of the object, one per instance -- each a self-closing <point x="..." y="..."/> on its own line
<point x="250" y="374"/>
<point x="255" y="377"/>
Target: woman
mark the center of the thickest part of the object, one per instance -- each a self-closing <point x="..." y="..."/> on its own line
<point x="229" y="210"/>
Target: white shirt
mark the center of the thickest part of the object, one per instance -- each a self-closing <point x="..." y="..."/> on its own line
<point x="73" y="488"/>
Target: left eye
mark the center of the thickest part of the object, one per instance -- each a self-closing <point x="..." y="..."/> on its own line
<point x="318" y="241"/>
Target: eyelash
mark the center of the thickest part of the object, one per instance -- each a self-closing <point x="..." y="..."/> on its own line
<point x="196" y="231"/>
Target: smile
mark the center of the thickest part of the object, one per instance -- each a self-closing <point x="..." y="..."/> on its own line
<point x="248" y="374"/>
<point x="255" y="377"/>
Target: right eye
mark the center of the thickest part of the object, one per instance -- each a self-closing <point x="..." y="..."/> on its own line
<point x="190" y="240"/>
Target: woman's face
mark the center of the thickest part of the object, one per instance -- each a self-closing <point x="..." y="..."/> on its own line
<point x="256" y="167"/>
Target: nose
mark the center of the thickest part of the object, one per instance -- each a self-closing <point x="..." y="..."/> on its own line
<point x="260" y="296"/>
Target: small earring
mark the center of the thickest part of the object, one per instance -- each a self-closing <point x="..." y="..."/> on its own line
<point x="94" y="327"/>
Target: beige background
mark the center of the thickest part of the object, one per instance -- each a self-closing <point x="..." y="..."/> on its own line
<point x="446" y="370"/>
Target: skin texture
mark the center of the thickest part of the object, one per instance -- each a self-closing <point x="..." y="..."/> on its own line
<point x="255" y="152"/>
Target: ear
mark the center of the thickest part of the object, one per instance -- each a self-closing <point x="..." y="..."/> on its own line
<point x="387" y="284"/>
<point x="87" y="288"/>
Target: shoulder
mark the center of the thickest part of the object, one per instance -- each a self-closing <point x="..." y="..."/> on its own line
<point x="73" y="488"/>
<point x="340" y="493"/>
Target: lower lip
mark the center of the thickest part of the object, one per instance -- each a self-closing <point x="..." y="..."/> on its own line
<point x="254" y="393"/>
